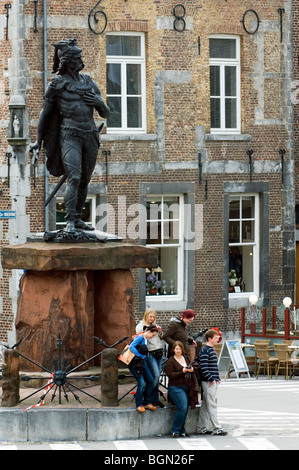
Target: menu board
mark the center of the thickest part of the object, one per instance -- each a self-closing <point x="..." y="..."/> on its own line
<point x="232" y="353"/>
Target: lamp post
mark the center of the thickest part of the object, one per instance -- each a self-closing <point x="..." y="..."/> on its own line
<point x="287" y="301"/>
<point x="253" y="300"/>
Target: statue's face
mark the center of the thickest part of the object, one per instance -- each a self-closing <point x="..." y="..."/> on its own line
<point x="75" y="62"/>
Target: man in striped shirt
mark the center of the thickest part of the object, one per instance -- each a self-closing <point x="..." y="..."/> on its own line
<point x="208" y="419"/>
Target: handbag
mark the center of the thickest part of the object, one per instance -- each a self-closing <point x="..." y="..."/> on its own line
<point x="126" y="355"/>
<point x="157" y="353"/>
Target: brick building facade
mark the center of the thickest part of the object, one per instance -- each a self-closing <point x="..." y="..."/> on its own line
<point x="199" y="144"/>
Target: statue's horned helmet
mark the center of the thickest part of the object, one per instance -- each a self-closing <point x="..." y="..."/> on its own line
<point x="67" y="47"/>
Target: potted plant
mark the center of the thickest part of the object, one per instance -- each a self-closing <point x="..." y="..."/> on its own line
<point x="232" y="279"/>
<point x="152" y="284"/>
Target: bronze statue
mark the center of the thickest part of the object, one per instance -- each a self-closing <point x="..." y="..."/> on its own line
<point x="67" y="129"/>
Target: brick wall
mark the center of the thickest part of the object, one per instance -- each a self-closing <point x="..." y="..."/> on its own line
<point x="180" y="71"/>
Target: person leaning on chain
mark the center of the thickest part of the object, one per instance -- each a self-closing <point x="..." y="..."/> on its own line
<point x="178" y="371"/>
<point x="155" y="352"/>
<point x="139" y="347"/>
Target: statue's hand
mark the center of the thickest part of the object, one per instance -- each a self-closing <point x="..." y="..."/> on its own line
<point x="93" y="99"/>
<point x="36" y="146"/>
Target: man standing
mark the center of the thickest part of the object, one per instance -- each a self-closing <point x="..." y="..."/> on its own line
<point x="67" y="128"/>
<point x="208" y="419"/>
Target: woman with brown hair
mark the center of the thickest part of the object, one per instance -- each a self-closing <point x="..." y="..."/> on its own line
<point x="175" y="368"/>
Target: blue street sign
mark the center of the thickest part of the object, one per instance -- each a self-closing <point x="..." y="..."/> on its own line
<point x="7" y="214"/>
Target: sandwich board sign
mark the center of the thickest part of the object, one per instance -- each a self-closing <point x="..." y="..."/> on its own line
<point x="232" y="353"/>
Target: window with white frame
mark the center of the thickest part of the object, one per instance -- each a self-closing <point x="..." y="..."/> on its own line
<point x="126" y="92"/>
<point x="88" y="213"/>
<point x="165" y="232"/>
<point x="225" y="85"/>
<point x="243" y="245"/>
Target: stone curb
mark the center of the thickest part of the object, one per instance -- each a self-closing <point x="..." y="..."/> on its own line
<point x="87" y="424"/>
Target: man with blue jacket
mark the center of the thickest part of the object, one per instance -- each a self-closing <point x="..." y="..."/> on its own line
<point x="139" y="369"/>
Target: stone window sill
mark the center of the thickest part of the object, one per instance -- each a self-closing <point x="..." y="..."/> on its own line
<point x="120" y="137"/>
<point x="230" y="137"/>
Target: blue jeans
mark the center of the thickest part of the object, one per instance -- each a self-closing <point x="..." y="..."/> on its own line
<point x="143" y="394"/>
<point x="180" y="397"/>
<point x="154" y="365"/>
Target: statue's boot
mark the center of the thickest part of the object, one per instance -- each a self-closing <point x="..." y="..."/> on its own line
<point x="70" y="226"/>
<point x="80" y="224"/>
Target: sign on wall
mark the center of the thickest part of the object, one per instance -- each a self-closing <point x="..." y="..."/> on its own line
<point x="7" y="214"/>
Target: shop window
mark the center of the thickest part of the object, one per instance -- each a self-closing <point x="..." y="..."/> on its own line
<point x="126" y="82"/>
<point x="243" y="245"/>
<point x="165" y="232"/>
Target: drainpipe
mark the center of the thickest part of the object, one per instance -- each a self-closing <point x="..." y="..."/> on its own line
<point x="45" y="75"/>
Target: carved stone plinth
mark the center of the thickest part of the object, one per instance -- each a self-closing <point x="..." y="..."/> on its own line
<point x="75" y="290"/>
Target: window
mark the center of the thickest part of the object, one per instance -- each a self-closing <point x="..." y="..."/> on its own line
<point x="126" y="82"/>
<point x="225" y="85"/>
<point x="165" y="231"/>
<point x="243" y="245"/>
<point x="88" y="213"/>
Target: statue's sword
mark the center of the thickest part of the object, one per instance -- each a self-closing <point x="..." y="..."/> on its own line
<point x="58" y="185"/>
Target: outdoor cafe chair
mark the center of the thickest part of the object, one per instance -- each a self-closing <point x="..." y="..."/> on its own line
<point x="263" y="358"/>
<point x="284" y="360"/>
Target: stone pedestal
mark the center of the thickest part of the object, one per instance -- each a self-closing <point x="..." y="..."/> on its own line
<point x="77" y="290"/>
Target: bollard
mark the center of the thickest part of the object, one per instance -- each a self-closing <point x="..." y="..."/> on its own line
<point x="10" y="378"/>
<point x="109" y="377"/>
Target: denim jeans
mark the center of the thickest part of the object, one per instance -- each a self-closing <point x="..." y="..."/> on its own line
<point x="154" y="365"/>
<point x="180" y="397"/>
<point x="143" y="394"/>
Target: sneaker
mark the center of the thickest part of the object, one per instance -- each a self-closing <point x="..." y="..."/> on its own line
<point x="184" y="434"/>
<point x="150" y="407"/>
<point x="141" y="409"/>
<point x="175" y="434"/>
<point x="219" y="432"/>
<point x="204" y="431"/>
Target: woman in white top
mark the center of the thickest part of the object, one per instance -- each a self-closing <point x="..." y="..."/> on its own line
<point x="155" y="348"/>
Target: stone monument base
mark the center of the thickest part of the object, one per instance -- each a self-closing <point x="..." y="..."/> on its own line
<point x="77" y="291"/>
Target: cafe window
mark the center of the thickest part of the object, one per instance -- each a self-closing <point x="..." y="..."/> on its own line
<point x="225" y="85"/>
<point x="125" y="59"/>
<point x="243" y="275"/>
<point x="88" y="213"/>
<point x="165" y="232"/>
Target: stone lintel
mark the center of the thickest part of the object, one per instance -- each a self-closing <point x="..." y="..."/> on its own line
<point x="78" y="256"/>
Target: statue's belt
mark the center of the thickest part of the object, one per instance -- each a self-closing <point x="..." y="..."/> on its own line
<point x="74" y="131"/>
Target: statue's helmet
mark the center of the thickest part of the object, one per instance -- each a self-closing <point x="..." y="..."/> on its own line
<point x="64" y="49"/>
